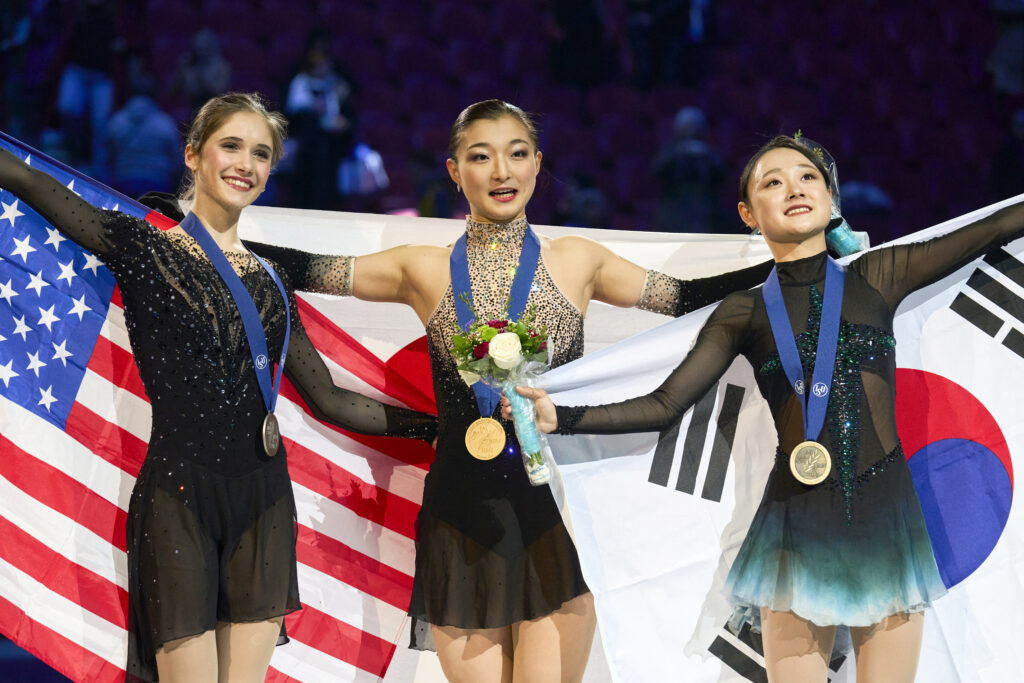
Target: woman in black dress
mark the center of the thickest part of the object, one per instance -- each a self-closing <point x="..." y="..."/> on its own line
<point x="852" y="549"/>
<point x="211" y="522"/>
<point x="497" y="577"/>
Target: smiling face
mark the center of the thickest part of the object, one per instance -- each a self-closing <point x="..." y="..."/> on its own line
<point x="789" y="202"/>
<point x="232" y="167"/>
<point x="496" y="165"/>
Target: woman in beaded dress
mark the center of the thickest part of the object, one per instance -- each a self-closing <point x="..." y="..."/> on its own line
<point x="211" y="520"/>
<point x="497" y="576"/>
<point x="853" y="549"/>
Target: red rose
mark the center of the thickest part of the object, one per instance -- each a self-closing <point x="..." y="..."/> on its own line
<point x="498" y="324"/>
<point x="543" y="345"/>
<point x="480" y="350"/>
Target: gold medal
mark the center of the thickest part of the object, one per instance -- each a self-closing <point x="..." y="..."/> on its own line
<point x="485" y="438"/>
<point x="271" y="434"/>
<point x="810" y="463"/>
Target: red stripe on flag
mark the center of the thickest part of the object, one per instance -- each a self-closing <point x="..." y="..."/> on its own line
<point x="115" y="298"/>
<point x="371" y="502"/>
<point x="117" y="366"/>
<point x="66" y="656"/>
<point x="66" y="495"/>
<point x="117" y="446"/>
<point x="81" y="586"/>
<point x="343" y="349"/>
<point x="340" y="640"/>
<point x="353" y="568"/>
<point x="275" y="676"/>
<point x="159" y="220"/>
<point x="410" y="451"/>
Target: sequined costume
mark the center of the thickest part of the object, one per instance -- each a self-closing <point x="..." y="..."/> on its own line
<point x="211" y="520"/>
<point x="491" y="549"/>
<point x="853" y="549"/>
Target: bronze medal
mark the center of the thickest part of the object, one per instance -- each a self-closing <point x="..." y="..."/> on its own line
<point x="485" y="438"/>
<point x="810" y="463"/>
<point x="271" y="434"/>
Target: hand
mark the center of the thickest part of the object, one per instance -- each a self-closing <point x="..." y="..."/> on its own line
<point x="547" y="419"/>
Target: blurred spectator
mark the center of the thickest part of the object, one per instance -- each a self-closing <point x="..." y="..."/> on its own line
<point x="16" y="28"/>
<point x="1008" y="161"/>
<point x="202" y="71"/>
<point x="435" y="192"/>
<point x="85" y="95"/>
<point x="690" y="174"/>
<point x="583" y="205"/>
<point x="1006" y="61"/>
<point x="321" y="123"/>
<point x="666" y="39"/>
<point x="578" y="42"/>
<point x="141" y="146"/>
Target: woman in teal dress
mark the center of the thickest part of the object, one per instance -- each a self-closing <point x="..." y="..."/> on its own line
<point x="851" y="549"/>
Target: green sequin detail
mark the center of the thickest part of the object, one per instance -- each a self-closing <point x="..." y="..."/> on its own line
<point x="857" y="343"/>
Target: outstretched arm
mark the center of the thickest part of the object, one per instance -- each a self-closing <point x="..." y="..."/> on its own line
<point x="620" y="282"/>
<point x="59" y="206"/>
<point x="716" y="346"/>
<point x="341" y="407"/>
<point x="897" y="271"/>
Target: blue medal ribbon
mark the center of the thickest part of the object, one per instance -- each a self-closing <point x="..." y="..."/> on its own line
<point x="247" y="310"/>
<point x="814" y="406"/>
<point x="486" y="397"/>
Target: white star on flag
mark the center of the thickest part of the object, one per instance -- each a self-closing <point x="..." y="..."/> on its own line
<point x="21" y="328"/>
<point x="47" y="318"/>
<point x="23" y="249"/>
<point x="61" y="353"/>
<point x="47" y="398"/>
<point x="55" y="238"/>
<point x="34" y="363"/>
<point x="37" y="283"/>
<point x="71" y="186"/>
<point x="92" y="263"/>
<point x="67" y="271"/>
<point x="10" y="212"/>
<point x="79" y="308"/>
<point x="7" y="374"/>
<point x="6" y="291"/>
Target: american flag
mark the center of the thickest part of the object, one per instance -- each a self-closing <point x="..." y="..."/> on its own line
<point x="74" y="424"/>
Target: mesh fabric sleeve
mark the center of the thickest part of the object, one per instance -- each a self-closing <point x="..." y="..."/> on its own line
<point x="719" y="342"/>
<point x="320" y="273"/>
<point x="59" y="206"/>
<point x="899" y="270"/>
<point x="346" y="409"/>
<point x="671" y="296"/>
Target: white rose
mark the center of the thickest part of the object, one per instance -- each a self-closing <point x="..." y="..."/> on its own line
<point x="468" y="377"/>
<point x="505" y="350"/>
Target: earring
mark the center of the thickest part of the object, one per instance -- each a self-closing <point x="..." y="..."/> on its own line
<point x="458" y="188"/>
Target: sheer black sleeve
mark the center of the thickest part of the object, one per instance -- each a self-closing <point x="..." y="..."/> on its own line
<point x="59" y="206"/>
<point x="346" y="409"/>
<point x="671" y="296"/>
<point x="719" y="342"/>
<point x="322" y="273"/>
<point x="899" y="270"/>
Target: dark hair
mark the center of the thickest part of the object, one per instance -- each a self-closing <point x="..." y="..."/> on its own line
<point x="217" y="110"/>
<point x="492" y="110"/>
<point x="778" y="142"/>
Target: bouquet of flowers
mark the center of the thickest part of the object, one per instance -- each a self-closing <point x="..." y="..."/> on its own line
<point x="501" y="354"/>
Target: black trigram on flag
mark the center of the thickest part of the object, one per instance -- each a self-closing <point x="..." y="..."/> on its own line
<point x="743" y="652"/>
<point x="1010" y="304"/>
<point x="693" y="445"/>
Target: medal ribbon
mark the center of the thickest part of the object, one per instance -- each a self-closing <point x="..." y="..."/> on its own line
<point x="486" y="397"/>
<point x="247" y="309"/>
<point x="815" y="405"/>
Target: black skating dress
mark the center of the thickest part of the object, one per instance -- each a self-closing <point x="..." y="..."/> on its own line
<point x="853" y="549"/>
<point x="211" y="521"/>
<point x="491" y="549"/>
